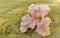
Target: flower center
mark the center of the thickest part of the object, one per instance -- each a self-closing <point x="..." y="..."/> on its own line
<point x="37" y="16"/>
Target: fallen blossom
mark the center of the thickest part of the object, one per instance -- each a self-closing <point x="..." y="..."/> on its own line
<point x="36" y="17"/>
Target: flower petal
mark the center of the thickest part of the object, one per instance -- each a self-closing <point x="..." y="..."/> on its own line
<point x="32" y="24"/>
<point x="23" y="29"/>
<point x="44" y="9"/>
<point x="26" y="20"/>
<point x="27" y="17"/>
<point x="31" y="8"/>
<point x="47" y="20"/>
<point x="43" y="27"/>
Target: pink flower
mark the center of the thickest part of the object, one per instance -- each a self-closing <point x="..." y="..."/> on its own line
<point x="36" y="17"/>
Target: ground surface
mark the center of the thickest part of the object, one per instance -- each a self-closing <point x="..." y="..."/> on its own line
<point x="11" y="12"/>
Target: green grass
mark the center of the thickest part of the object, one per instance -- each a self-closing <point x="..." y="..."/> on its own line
<point x="11" y="12"/>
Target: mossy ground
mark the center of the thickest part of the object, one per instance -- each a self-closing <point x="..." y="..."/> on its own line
<point x="11" y="12"/>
